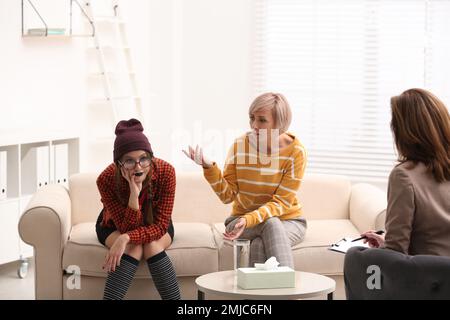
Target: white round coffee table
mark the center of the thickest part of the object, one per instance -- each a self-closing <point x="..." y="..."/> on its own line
<point x="307" y="285"/>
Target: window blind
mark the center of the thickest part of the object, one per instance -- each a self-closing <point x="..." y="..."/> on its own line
<point x="339" y="62"/>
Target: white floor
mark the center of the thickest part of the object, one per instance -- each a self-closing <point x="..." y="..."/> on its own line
<point x="14" y="288"/>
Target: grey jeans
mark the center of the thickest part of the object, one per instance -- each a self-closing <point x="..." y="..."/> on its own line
<point x="273" y="237"/>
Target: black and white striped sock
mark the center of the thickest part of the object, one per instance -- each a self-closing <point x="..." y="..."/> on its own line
<point x="164" y="276"/>
<point x="118" y="282"/>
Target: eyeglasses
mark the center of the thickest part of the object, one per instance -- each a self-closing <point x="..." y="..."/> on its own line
<point x="129" y="164"/>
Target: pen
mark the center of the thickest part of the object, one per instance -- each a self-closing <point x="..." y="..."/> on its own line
<point x="364" y="237"/>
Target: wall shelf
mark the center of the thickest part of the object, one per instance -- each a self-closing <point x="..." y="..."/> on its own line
<point x="42" y="29"/>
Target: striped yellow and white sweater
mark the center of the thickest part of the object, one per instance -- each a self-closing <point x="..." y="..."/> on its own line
<point x="260" y="186"/>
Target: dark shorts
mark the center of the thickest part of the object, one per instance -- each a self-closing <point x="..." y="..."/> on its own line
<point x="104" y="232"/>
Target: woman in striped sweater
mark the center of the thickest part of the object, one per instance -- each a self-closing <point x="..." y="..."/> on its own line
<point x="262" y="174"/>
<point x="137" y="192"/>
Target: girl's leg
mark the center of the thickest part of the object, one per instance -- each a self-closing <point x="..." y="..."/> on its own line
<point x="118" y="281"/>
<point x="161" y="268"/>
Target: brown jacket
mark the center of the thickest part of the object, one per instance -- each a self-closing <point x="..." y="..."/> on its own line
<point x="418" y="212"/>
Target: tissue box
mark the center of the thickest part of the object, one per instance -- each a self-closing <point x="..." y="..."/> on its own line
<point x="251" y="278"/>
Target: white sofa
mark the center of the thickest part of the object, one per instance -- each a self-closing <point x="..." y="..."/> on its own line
<point x="60" y="226"/>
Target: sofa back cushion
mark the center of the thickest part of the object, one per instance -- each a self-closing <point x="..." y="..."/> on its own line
<point x="322" y="197"/>
<point x="196" y="201"/>
<point x="325" y="196"/>
<point x="85" y="198"/>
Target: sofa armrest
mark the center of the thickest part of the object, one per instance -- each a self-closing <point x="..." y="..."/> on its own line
<point x="45" y="225"/>
<point x="367" y="207"/>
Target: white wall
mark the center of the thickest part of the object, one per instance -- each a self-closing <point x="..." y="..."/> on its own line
<point x="195" y="58"/>
<point x="41" y="79"/>
<point x="192" y="62"/>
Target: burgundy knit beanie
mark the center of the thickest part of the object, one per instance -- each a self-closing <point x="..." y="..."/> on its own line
<point x="130" y="137"/>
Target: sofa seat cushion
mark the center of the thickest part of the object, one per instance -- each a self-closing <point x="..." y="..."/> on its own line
<point x="311" y="255"/>
<point x="193" y="251"/>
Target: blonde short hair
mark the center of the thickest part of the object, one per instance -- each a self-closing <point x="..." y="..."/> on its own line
<point x="279" y="106"/>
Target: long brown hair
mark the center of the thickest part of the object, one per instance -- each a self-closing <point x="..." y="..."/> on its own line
<point x="421" y="129"/>
<point x="147" y="183"/>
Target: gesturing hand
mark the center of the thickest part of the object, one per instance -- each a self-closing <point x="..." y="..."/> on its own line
<point x="235" y="231"/>
<point x="198" y="157"/>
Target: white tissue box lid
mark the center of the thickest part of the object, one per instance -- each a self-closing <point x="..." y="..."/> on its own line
<point x="254" y="270"/>
<point x="250" y="278"/>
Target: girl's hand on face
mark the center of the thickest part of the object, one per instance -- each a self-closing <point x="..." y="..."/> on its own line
<point x="198" y="157"/>
<point x="135" y="187"/>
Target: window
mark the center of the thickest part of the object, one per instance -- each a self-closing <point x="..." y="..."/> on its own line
<point x="339" y="62"/>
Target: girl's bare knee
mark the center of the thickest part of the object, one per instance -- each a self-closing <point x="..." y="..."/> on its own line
<point x="153" y="248"/>
<point x="135" y="250"/>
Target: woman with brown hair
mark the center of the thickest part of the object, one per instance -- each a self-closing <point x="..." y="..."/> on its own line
<point x="137" y="192"/>
<point x="418" y="211"/>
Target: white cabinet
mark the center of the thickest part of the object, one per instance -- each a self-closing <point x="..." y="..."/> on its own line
<point x="35" y="166"/>
<point x="3" y="177"/>
<point x="25" y="167"/>
<point x="61" y="164"/>
<point x="25" y="250"/>
<point x="9" y="234"/>
<point x="9" y="172"/>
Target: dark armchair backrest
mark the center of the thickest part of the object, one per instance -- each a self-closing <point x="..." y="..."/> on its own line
<point x="400" y="276"/>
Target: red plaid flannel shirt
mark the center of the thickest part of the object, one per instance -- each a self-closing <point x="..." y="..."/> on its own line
<point x="130" y="221"/>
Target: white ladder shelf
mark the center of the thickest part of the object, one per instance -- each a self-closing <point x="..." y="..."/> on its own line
<point x="117" y="97"/>
<point x="120" y="86"/>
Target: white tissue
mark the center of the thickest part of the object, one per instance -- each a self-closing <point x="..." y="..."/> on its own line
<point x="270" y="264"/>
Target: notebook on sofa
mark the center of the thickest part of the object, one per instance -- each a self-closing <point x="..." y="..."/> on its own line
<point x="347" y="243"/>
